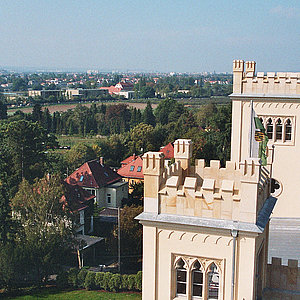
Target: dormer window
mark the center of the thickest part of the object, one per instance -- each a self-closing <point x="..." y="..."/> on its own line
<point x="139" y="169"/>
<point x="131" y="168"/>
<point x="81" y="178"/>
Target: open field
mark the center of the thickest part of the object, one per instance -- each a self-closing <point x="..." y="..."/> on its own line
<point x="139" y="105"/>
<point x="53" y="294"/>
<point x="65" y="106"/>
<point x="66" y="140"/>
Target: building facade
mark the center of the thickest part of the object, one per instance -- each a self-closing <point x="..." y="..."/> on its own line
<point x="276" y="101"/>
<point x="205" y="229"/>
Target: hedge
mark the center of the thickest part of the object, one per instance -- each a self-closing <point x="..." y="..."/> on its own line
<point x="99" y="280"/>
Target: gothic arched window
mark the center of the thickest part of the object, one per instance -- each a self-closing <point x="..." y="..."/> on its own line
<point x="213" y="282"/>
<point x="197" y="280"/>
<point x="181" y="276"/>
<point x="270" y="129"/>
<point x="278" y="130"/>
<point x="288" y="130"/>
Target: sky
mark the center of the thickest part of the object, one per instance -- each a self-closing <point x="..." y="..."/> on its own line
<point x="150" y="35"/>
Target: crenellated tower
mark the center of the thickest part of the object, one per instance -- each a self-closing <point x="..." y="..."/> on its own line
<point x="205" y="218"/>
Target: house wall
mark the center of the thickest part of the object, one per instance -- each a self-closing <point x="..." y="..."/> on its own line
<point x="163" y="244"/>
<point x="274" y="95"/>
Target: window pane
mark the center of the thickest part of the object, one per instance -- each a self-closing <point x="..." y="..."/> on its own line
<point x="198" y="277"/>
<point x="181" y="288"/>
<point x="278" y="130"/>
<point x="197" y="290"/>
<point x="270" y="129"/>
<point x="288" y="130"/>
<point x="213" y="282"/>
<point x="181" y="275"/>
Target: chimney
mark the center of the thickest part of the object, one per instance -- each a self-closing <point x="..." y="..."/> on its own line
<point x="133" y="156"/>
<point x="101" y="161"/>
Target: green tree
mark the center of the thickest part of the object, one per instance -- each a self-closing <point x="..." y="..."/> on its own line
<point x="148" y="116"/>
<point x="47" y="228"/>
<point x="141" y="137"/>
<point x="3" y="109"/>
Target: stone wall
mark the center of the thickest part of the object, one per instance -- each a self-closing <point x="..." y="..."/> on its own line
<point x="283" y="282"/>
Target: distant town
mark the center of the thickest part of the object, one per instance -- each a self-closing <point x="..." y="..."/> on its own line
<point x="26" y="89"/>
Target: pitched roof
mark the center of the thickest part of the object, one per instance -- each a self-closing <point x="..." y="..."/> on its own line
<point x="128" y="159"/>
<point x="75" y="197"/>
<point x="93" y="174"/>
<point x="168" y="151"/>
<point x="133" y="169"/>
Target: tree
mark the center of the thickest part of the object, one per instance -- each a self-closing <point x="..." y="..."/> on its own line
<point x="47" y="226"/>
<point x="23" y="146"/>
<point x="148" y="116"/>
<point x="131" y="237"/>
<point x="141" y="138"/>
<point x="37" y="113"/>
<point x="3" y="109"/>
<point x="79" y="154"/>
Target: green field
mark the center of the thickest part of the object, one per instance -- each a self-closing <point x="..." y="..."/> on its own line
<point x="66" y="140"/>
<point x="80" y="294"/>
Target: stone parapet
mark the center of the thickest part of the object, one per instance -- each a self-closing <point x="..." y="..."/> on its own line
<point x="236" y="192"/>
<point x="245" y="81"/>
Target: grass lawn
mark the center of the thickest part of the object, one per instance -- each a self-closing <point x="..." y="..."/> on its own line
<point x="80" y="294"/>
<point x="65" y="140"/>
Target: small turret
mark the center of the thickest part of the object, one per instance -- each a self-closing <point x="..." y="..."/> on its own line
<point x="238" y="70"/>
<point x="183" y="151"/>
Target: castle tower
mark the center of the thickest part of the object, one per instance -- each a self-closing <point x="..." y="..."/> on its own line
<point x="276" y="101"/>
<point x="205" y="228"/>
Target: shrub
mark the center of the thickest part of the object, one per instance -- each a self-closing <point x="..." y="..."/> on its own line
<point x="106" y="279"/>
<point x="62" y="280"/>
<point x="124" y="283"/>
<point x="72" y="277"/>
<point x="99" y="280"/>
<point x="115" y="282"/>
<point x="131" y="282"/>
<point x="89" y="282"/>
<point x="81" y="277"/>
<point x="138" y="280"/>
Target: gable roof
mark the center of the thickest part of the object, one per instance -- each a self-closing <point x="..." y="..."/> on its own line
<point x="128" y="159"/>
<point x="168" y="151"/>
<point x="93" y="174"/>
<point x="133" y="169"/>
<point x="75" y="197"/>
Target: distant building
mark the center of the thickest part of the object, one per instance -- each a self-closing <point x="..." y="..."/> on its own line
<point x="132" y="170"/>
<point x="84" y="93"/>
<point x="45" y="93"/>
<point x="101" y="181"/>
<point x="122" y="89"/>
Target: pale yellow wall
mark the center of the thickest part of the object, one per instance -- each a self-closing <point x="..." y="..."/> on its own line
<point x="279" y="100"/>
<point x="161" y="245"/>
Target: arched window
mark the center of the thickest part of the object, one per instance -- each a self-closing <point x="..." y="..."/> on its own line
<point x="180" y="277"/>
<point x="278" y="130"/>
<point x="261" y="121"/>
<point x="197" y="280"/>
<point x="288" y="130"/>
<point x="270" y="129"/>
<point x="213" y="282"/>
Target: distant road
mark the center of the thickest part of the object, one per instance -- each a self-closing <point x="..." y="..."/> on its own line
<point x="65" y="106"/>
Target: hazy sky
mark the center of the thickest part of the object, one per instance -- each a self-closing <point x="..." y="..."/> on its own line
<point x="165" y="35"/>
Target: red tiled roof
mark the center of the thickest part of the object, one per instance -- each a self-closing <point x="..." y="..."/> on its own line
<point x="168" y="151"/>
<point x="75" y="197"/>
<point x="133" y="169"/>
<point x="128" y="159"/>
<point x="92" y="174"/>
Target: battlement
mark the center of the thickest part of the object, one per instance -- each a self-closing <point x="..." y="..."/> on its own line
<point x="245" y="81"/>
<point x="236" y="192"/>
